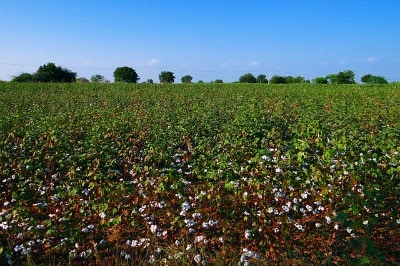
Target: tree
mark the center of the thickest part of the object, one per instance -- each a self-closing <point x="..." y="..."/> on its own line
<point x="298" y="79"/>
<point x="218" y="81"/>
<point x="125" y="74"/>
<point x="370" y="79"/>
<point x="97" y="78"/>
<point x="150" y="81"/>
<point x="278" y="80"/>
<point x="82" y="80"/>
<point x="320" y="80"/>
<point x="346" y="77"/>
<point x="247" y="78"/>
<point x="332" y="78"/>
<point x="187" y="79"/>
<point x="52" y="73"/>
<point x="23" y="77"/>
<point x="262" y="78"/>
<point x="366" y="78"/>
<point x="166" y="77"/>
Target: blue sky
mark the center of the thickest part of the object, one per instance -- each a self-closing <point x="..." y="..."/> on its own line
<point x="206" y="39"/>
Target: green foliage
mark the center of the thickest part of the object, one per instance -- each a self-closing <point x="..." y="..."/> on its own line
<point x="23" y="77"/>
<point x="287" y="80"/>
<point x="370" y="79"/>
<point x="277" y="80"/>
<point x="346" y="77"/>
<point x="82" y="80"/>
<point x="343" y="77"/>
<point x="186" y="79"/>
<point x="298" y="79"/>
<point x="97" y="78"/>
<point x="52" y="73"/>
<point x="218" y="81"/>
<point x="167" y="77"/>
<point x="262" y="78"/>
<point x="47" y="73"/>
<point x="127" y="175"/>
<point x="320" y="80"/>
<point x="125" y="74"/>
<point x="247" y="78"/>
<point x="332" y="79"/>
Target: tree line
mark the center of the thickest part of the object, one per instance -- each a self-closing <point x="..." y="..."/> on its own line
<point x="52" y="73"/>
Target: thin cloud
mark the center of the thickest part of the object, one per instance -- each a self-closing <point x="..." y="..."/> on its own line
<point x="253" y="63"/>
<point x="154" y="62"/>
<point x="373" y="59"/>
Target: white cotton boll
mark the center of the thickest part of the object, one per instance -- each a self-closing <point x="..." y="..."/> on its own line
<point x="197" y="258"/>
<point x="153" y="228"/>
<point x="299" y="227"/>
<point x="285" y="208"/>
<point x="205" y="225"/>
<point x="247" y="234"/>
<point x="336" y="227"/>
<point x="198" y="239"/>
<point x="185" y="206"/>
<point x="328" y="219"/>
<point x="212" y="223"/>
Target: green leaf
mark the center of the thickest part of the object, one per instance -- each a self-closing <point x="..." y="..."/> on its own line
<point x="300" y="155"/>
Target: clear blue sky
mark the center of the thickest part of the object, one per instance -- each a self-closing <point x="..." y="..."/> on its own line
<point x="206" y="39"/>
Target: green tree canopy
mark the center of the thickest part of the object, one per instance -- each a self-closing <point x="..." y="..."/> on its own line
<point x="125" y="74"/>
<point x="218" y="81"/>
<point x="97" y="78"/>
<point x="332" y="78"/>
<point x="187" y="79"/>
<point x="247" y="78"/>
<point x="371" y="79"/>
<point x="166" y="77"/>
<point x="343" y="77"/>
<point x="23" y="77"/>
<point x="262" y="78"/>
<point x="278" y="80"/>
<point x="346" y="77"/>
<point x="52" y="73"/>
<point x="298" y="79"/>
<point x="82" y="80"/>
<point x="320" y="80"/>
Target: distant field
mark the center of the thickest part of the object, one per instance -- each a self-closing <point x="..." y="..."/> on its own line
<point x="200" y="173"/>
